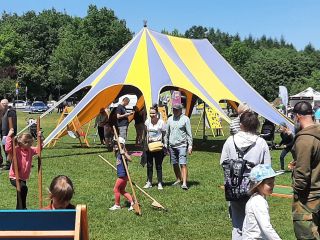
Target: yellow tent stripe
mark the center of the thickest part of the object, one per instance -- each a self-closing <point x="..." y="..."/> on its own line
<point x="200" y="70"/>
<point x="138" y="74"/>
<point x="177" y="76"/>
<point x="104" y="71"/>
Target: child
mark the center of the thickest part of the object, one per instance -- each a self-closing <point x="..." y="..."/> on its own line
<point x="257" y="224"/>
<point x="121" y="182"/>
<point x="60" y="193"/>
<point x="24" y="152"/>
<point x="287" y="140"/>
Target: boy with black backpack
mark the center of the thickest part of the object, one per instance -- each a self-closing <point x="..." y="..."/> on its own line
<point x="239" y="154"/>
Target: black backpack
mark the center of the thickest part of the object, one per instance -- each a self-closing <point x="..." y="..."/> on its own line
<point x="236" y="176"/>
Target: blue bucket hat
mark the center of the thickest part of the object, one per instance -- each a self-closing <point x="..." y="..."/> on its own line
<point x="261" y="172"/>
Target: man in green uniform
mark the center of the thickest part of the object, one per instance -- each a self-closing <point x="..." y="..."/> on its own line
<point x="306" y="174"/>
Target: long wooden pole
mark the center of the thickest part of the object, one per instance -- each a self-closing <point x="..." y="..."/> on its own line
<point x="155" y="202"/>
<point x="39" y="162"/>
<point x="136" y="206"/>
<point x="15" y="166"/>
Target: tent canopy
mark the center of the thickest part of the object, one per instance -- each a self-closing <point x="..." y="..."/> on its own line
<point x="153" y="62"/>
<point x="309" y="95"/>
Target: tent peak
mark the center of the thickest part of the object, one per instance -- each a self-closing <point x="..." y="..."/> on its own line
<point x="145" y="23"/>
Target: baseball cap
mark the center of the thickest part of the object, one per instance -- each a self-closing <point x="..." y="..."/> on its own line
<point x="303" y="108"/>
<point x="121" y="140"/>
<point x="177" y="106"/>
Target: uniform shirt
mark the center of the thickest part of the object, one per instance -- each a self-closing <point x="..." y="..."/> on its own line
<point x="256" y="223"/>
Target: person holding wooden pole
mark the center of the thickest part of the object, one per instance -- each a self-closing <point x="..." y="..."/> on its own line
<point x="22" y="152"/>
<point x="121" y="182"/>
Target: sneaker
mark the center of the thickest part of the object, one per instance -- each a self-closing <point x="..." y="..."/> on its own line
<point x="148" y="185"/>
<point x="176" y="183"/>
<point x="115" y="207"/>
<point x="184" y="187"/>
<point x="160" y="186"/>
<point x="131" y="207"/>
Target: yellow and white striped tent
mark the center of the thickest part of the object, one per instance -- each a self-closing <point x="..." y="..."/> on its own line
<point x="153" y="62"/>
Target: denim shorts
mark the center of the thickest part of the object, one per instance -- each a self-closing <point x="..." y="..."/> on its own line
<point x="178" y="155"/>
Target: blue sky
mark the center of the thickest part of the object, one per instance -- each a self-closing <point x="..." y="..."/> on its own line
<point x="296" y="20"/>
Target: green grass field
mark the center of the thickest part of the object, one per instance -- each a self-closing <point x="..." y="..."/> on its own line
<point x="199" y="213"/>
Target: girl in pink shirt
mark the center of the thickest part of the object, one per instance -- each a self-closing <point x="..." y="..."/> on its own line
<point x="24" y="152"/>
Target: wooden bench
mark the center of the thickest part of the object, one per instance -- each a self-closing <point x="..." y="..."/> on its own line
<point x="45" y="224"/>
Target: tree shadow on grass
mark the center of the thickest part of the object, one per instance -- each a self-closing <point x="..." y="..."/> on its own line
<point x="198" y="145"/>
<point x="208" y="145"/>
<point x="73" y="154"/>
<point x="70" y="147"/>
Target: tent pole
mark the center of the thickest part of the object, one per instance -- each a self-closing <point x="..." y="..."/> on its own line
<point x="204" y="123"/>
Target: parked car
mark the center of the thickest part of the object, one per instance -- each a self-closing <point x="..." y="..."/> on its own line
<point x="18" y="104"/>
<point x="38" y="107"/>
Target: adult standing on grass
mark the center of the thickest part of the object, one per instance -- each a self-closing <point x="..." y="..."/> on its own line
<point x="155" y="128"/>
<point x="9" y="112"/>
<point x="3" y="109"/>
<point x="178" y="141"/>
<point x="306" y="174"/>
<point x="139" y="119"/>
<point x="122" y="118"/>
<point x="287" y="142"/>
<point x="101" y="121"/>
<point x="255" y="151"/>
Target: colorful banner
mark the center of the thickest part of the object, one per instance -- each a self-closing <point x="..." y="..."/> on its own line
<point x="176" y="98"/>
<point x="163" y="113"/>
<point x="213" y="118"/>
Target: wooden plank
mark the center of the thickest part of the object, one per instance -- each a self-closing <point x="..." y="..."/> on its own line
<point x="37" y="234"/>
<point x="84" y="223"/>
<point x="77" y="223"/>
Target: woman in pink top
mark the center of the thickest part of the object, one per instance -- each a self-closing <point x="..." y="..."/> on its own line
<point x="24" y="152"/>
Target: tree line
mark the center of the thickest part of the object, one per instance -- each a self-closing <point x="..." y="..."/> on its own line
<point x="49" y="53"/>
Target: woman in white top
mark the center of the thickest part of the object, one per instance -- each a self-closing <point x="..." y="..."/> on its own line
<point x="257" y="224"/>
<point x="155" y="128"/>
